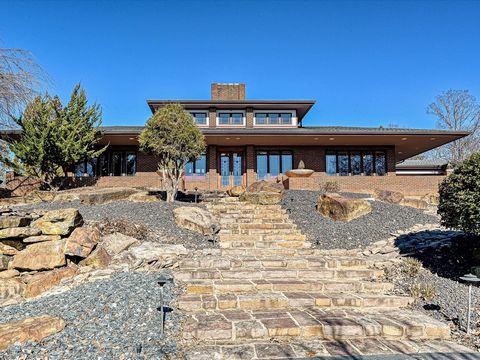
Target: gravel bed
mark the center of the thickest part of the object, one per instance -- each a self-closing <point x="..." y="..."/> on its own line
<point x="157" y="216"/>
<point x="329" y="234"/>
<point x="116" y="318"/>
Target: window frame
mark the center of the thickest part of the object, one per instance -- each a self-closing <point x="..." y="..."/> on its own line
<point x="293" y="122"/>
<point x="280" y="154"/>
<point x="206" y="112"/>
<point x="362" y="153"/>
<point x="230" y="117"/>
<point x="194" y="166"/>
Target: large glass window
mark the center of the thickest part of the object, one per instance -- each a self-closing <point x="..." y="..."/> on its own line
<point x="273" y="163"/>
<point x="230" y="118"/>
<point x="200" y="117"/>
<point x="197" y="167"/>
<point x="355" y="163"/>
<point x="273" y="118"/>
<point x="131" y="159"/>
<point x="115" y="163"/>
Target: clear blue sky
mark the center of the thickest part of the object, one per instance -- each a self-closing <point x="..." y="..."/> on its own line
<point x="367" y="63"/>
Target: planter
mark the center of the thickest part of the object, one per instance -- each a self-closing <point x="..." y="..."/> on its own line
<point x="299" y="173"/>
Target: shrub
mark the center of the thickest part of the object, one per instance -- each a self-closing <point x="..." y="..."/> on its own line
<point x="459" y="205"/>
<point x="411" y="267"/>
<point x="424" y="291"/>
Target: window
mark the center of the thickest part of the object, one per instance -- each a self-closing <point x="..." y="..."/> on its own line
<point x="200" y="117"/>
<point x="116" y="163"/>
<point x="86" y="168"/>
<point x="273" y="163"/>
<point x="273" y="118"/>
<point x="230" y="118"/>
<point x="345" y="163"/>
<point x="197" y="167"/>
<point x="131" y="163"/>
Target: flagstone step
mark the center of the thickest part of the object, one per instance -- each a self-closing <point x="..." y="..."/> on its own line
<point x="262" y="237"/>
<point x="275" y="273"/>
<point x="342" y="349"/>
<point x="209" y="287"/>
<point x="283" y="300"/>
<point x="276" y="244"/>
<point x="337" y="324"/>
<point x="254" y="262"/>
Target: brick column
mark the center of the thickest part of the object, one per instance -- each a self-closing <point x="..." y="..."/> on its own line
<point x="391" y="161"/>
<point x="212" y="167"/>
<point x="212" y="117"/>
<point x="249" y="117"/>
<point x="250" y="165"/>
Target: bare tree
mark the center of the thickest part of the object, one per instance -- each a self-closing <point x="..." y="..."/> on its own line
<point x="457" y="110"/>
<point x="20" y="78"/>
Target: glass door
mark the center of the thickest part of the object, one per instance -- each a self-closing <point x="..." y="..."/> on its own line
<point x="237" y="169"/>
<point x="231" y="169"/>
<point x="225" y="169"/>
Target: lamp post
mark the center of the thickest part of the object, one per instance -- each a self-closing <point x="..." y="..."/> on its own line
<point x="470" y="279"/>
<point x="162" y="280"/>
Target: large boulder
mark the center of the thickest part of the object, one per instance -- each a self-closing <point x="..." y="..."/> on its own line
<point x="41" y="256"/>
<point x="414" y="203"/>
<point x="391" y="197"/>
<point x="143" y="196"/>
<point x="82" y="241"/>
<point x="149" y="254"/>
<point x="19" y="232"/>
<point x="236" y="191"/>
<point x="116" y="243"/>
<point x="58" y="222"/>
<point x="98" y="259"/>
<point x="263" y="193"/>
<point x="266" y="186"/>
<point x="431" y="199"/>
<point x="196" y="219"/>
<point x="101" y="196"/>
<point x="30" y="329"/>
<point x="14" y="221"/>
<point x="43" y="281"/>
<point x="340" y="208"/>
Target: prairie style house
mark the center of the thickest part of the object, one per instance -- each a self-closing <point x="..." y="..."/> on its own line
<point x="250" y="140"/>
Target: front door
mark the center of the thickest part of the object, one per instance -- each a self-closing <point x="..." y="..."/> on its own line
<point x="231" y="169"/>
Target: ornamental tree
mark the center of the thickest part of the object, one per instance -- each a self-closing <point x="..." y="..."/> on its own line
<point x="55" y="137"/>
<point x="459" y="205"/>
<point x="172" y="135"/>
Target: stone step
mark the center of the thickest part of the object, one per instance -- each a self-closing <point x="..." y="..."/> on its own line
<point x="275" y="273"/>
<point x="260" y="220"/>
<point x="253" y="262"/>
<point x="283" y="300"/>
<point x="288" y="252"/>
<point x="260" y="226"/>
<point x="332" y="324"/>
<point x="291" y="244"/>
<point x="208" y="287"/>
<point x="265" y="237"/>
<point x="260" y="232"/>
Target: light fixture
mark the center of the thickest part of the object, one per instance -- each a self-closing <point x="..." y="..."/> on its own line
<point x="237" y="138"/>
<point x="227" y="138"/>
<point x="400" y="152"/>
<point x="403" y="139"/>
<point x="315" y="138"/>
<point x="131" y="138"/>
<point x="433" y="138"/>
<point x="331" y="139"/>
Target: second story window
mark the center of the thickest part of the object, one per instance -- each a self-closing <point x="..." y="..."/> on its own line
<point x="273" y="118"/>
<point x="200" y="117"/>
<point x="230" y="118"/>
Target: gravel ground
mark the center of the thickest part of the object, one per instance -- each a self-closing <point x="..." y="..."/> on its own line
<point x="117" y="318"/>
<point x="157" y="216"/>
<point x="328" y="234"/>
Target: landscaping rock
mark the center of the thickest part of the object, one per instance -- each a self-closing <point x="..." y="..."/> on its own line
<point x="4" y="260"/>
<point x="18" y="232"/>
<point x="116" y="243"/>
<point x="101" y="196"/>
<point x="266" y="186"/>
<point x="38" y="196"/>
<point x="41" y="238"/>
<point x="391" y="197"/>
<point x="98" y="259"/>
<point x="432" y="199"/>
<point x="196" y="219"/>
<point x="7" y="244"/>
<point x="262" y="198"/>
<point x="236" y="191"/>
<point x="58" y="222"/>
<point x="143" y="196"/>
<point x="14" y="221"/>
<point x="162" y="255"/>
<point x="82" y="241"/>
<point x="30" y="329"/>
<point x="8" y="274"/>
<point x="7" y="250"/>
<point x="340" y="208"/>
<point x="10" y="288"/>
<point x="41" y="256"/>
<point x="415" y="203"/>
<point x="41" y="282"/>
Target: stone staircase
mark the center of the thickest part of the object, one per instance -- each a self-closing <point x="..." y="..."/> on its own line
<point x="268" y="283"/>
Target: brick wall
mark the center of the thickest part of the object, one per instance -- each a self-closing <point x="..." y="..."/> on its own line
<point x="249" y="117"/>
<point x="408" y="184"/>
<point x="228" y="91"/>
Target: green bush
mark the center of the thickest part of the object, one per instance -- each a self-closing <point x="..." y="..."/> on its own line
<point x="459" y="204"/>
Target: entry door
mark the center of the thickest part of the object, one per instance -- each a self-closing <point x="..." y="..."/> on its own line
<point x="231" y="169"/>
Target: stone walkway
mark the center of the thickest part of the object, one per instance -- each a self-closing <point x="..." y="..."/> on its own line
<point x="268" y="294"/>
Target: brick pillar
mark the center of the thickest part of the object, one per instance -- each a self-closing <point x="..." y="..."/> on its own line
<point x="212" y="167"/>
<point x="249" y="117"/>
<point x="212" y="117"/>
<point x="391" y="161"/>
<point x="250" y="165"/>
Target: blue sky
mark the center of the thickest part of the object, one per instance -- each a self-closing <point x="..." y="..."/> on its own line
<point x="367" y="63"/>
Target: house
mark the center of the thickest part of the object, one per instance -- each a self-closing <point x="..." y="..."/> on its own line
<point x="422" y="167"/>
<point x="250" y="140"/>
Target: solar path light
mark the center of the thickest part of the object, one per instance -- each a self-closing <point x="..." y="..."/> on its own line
<point x="470" y="279"/>
<point x="162" y="280"/>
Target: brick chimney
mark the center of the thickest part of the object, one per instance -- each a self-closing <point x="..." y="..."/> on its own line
<point x="228" y="91"/>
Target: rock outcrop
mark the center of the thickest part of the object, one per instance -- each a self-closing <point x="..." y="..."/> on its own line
<point x="58" y="222"/>
<point x="82" y="241"/>
<point x="41" y="282"/>
<point x="236" y="191"/>
<point x="341" y="208"/>
<point x="196" y="219"/>
<point x="263" y="193"/>
<point x="41" y="256"/>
